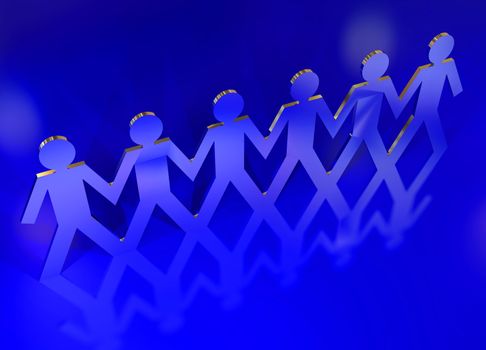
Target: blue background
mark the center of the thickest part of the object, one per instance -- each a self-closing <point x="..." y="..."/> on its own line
<point x="84" y="68"/>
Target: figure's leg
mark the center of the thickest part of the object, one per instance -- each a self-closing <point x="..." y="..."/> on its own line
<point x="212" y="200"/>
<point x="323" y="182"/>
<point x="439" y="144"/>
<point x="69" y="291"/>
<point x="345" y="158"/>
<point x="250" y="192"/>
<point x="314" y="168"/>
<point x="386" y="171"/>
<point x="167" y="291"/>
<point x="384" y="164"/>
<point x="173" y="207"/>
<point x="266" y="210"/>
<point x="281" y="178"/>
<point x="377" y="150"/>
<point x="263" y="209"/>
<point x="329" y="190"/>
<point x="196" y="230"/>
<point x="103" y="237"/>
<point x="403" y="140"/>
<point x="436" y="134"/>
<point x="93" y="310"/>
<point x="58" y="251"/>
<point x="112" y="278"/>
<point x="137" y="227"/>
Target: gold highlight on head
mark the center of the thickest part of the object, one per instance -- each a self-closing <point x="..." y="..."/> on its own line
<point x="299" y="73"/>
<point x="368" y="56"/>
<point x="52" y="138"/>
<point x="140" y="115"/>
<point x="436" y="38"/>
<point x="223" y="93"/>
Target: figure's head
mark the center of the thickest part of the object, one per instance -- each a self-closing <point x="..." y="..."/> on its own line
<point x="440" y="47"/>
<point x="227" y="105"/>
<point x="145" y="128"/>
<point x="374" y="65"/>
<point x="56" y="152"/>
<point x="304" y="84"/>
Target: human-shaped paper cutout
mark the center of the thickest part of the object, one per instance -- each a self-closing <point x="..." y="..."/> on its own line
<point x="65" y="184"/>
<point x="429" y="80"/>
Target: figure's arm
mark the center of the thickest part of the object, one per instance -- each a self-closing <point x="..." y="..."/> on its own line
<point x="255" y="136"/>
<point x="96" y="181"/>
<point x="347" y="105"/>
<point x="391" y="95"/>
<point x="182" y="162"/>
<point x="412" y="85"/>
<point x="278" y="126"/>
<point x="125" y="167"/>
<point x="326" y="116"/>
<point x="453" y="77"/>
<point x="34" y="204"/>
<point x="202" y="151"/>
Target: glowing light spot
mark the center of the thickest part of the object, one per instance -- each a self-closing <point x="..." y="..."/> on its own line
<point x="19" y="122"/>
<point x="363" y="33"/>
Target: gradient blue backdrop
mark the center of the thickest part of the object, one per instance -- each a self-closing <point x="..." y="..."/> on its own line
<point x="84" y="68"/>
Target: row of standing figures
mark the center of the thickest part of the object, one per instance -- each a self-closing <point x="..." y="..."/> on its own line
<point x="64" y="181"/>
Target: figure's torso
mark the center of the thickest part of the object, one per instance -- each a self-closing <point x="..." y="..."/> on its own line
<point x="67" y="193"/>
<point x="432" y="81"/>
<point x="151" y="170"/>
<point x="368" y="111"/>
<point x="229" y="149"/>
<point x="301" y="128"/>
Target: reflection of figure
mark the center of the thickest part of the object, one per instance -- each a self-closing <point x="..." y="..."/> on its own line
<point x="102" y="327"/>
<point x="300" y="118"/>
<point x="103" y="324"/>
<point x="429" y="80"/>
<point x="64" y="183"/>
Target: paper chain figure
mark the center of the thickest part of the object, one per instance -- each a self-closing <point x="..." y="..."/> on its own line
<point x="149" y="160"/>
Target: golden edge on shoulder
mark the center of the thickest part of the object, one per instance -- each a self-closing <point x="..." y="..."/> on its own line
<point x="159" y="141"/>
<point x="243" y="117"/>
<point x="133" y="148"/>
<point x="44" y="173"/>
<point x="215" y="125"/>
<point x="75" y="165"/>
<point x="315" y="97"/>
<point x="50" y="172"/>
